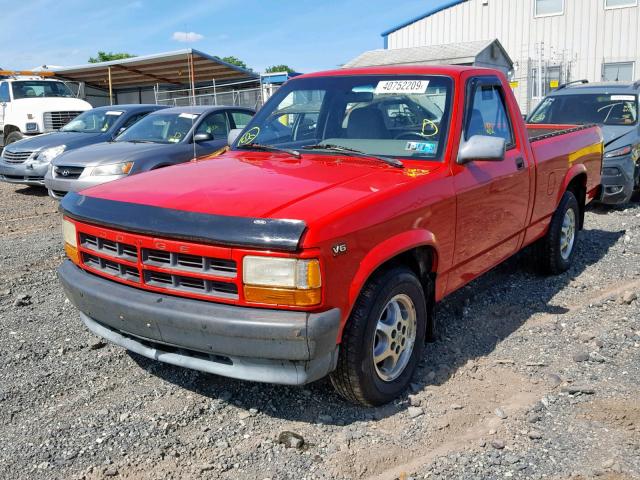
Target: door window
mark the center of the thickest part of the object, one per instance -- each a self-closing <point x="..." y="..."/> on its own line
<point x="488" y="115"/>
<point x="4" y="92"/>
<point x="241" y="119"/>
<point x="214" y="124"/>
<point x="132" y="120"/>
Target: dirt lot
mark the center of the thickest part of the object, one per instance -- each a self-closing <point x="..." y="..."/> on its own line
<point x="531" y="377"/>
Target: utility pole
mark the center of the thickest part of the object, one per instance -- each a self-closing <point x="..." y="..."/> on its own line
<point x="540" y="53"/>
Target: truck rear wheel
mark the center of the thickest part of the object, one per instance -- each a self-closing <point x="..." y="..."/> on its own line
<point x="383" y="340"/>
<point x="13" y="137"/>
<point x="554" y="252"/>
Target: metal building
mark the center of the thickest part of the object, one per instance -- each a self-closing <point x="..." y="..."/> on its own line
<point x="550" y="41"/>
<point x="483" y="53"/>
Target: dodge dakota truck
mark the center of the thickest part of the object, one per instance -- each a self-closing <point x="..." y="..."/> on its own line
<point x="320" y="242"/>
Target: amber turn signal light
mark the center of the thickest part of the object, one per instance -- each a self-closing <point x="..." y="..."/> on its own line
<point x="283" y="296"/>
<point x="72" y="253"/>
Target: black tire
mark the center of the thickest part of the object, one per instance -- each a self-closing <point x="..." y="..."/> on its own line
<point x="548" y="256"/>
<point x="13" y="137"/>
<point x="356" y="377"/>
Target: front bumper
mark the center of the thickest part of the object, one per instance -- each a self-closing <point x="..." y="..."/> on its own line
<point x="23" y="173"/>
<point x="264" y="345"/>
<point x="59" y="186"/>
<point x="618" y="188"/>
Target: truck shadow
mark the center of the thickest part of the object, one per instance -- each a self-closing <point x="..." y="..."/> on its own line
<point x="471" y="323"/>
<point x="33" y="191"/>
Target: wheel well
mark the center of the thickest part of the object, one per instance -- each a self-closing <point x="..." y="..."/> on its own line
<point x="578" y="186"/>
<point x="422" y="261"/>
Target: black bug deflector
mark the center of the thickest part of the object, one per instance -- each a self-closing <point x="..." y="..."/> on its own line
<point x="278" y="234"/>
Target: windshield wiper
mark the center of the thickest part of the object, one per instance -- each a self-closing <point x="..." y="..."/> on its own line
<point x="139" y="141"/>
<point x="269" y="148"/>
<point x="329" y="147"/>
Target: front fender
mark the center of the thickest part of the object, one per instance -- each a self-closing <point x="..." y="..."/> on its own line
<point x="387" y="250"/>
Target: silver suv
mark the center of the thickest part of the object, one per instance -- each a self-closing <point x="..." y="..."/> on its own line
<point x="614" y="107"/>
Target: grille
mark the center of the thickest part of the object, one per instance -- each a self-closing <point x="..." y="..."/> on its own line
<point x="114" y="269"/>
<point x="58" y="193"/>
<point x="191" y="284"/>
<point x="178" y="272"/>
<point x="16" y="157"/>
<point x="68" y="172"/>
<point x="110" y="248"/>
<point x="57" y="120"/>
<point x="190" y="263"/>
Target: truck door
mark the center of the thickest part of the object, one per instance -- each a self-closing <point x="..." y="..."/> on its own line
<point x="492" y="196"/>
<point x="4" y="100"/>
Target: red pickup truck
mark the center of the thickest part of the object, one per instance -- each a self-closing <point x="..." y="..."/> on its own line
<point x="319" y="243"/>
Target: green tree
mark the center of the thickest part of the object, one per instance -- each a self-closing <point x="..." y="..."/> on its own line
<point x="234" y="61"/>
<point x="109" y="56"/>
<point x="279" y="68"/>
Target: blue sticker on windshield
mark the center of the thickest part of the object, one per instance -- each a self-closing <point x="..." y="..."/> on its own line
<point x="422" y="147"/>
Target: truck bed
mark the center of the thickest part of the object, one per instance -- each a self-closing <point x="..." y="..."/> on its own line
<point x="541" y="131"/>
<point x="557" y="148"/>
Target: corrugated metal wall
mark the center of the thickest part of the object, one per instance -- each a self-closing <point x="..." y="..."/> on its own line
<point x="583" y="38"/>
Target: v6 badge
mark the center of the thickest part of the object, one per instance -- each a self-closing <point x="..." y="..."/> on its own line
<point x="339" y="249"/>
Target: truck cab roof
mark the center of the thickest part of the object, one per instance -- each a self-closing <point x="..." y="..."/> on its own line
<point x="449" y="70"/>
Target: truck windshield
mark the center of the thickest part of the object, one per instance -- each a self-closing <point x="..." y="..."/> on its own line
<point x="580" y="109"/>
<point x="160" y="128"/>
<point x="39" y="88"/>
<point x="404" y="116"/>
<point x="93" y="121"/>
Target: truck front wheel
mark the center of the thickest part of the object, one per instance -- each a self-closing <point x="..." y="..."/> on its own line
<point x="383" y="339"/>
<point x="13" y="137"/>
<point x="554" y="252"/>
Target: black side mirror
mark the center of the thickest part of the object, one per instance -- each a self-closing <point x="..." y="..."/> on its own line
<point x="202" y="137"/>
<point x="482" y="147"/>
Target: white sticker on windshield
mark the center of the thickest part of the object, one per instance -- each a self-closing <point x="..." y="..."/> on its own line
<point x="114" y="112"/>
<point x="623" y="97"/>
<point x="401" y="86"/>
<point x="190" y="116"/>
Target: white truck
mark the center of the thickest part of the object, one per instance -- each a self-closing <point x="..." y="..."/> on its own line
<point x="31" y="104"/>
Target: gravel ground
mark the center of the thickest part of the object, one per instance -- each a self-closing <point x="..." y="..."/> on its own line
<point x="531" y="377"/>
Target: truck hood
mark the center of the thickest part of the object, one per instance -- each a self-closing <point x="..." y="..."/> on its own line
<point x="613" y="133"/>
<point x="70" y="139"/>
<point x="51" y="104"/>
<point x="258" y="185"/>
<point x="113" y="152"/>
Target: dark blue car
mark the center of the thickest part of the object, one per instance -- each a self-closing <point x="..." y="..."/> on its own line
<point x="26" y="161"/>
<point x="614" y="107"/>
<point x="161" y="139"/>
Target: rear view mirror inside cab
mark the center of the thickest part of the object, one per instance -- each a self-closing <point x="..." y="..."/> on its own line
<point x="482" y="147"/>
<point x="359" y="97"/>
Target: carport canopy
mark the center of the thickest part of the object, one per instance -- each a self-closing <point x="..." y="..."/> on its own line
<point x="182" y="67"/>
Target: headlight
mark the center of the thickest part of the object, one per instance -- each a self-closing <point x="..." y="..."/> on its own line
<point x="69" y="236"/>
<point x="619" y="152"/>
<point x="48" y="154"/>
<point x="113" y="169"/>
<point x="282" y="281"/>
